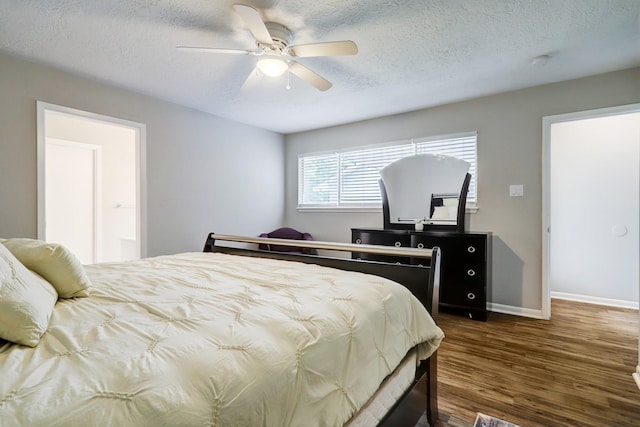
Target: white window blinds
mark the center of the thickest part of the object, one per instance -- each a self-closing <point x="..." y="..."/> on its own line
<point x="360" y="172"/>
<point x="349" y="178"/>
<point x="318" y="180"/>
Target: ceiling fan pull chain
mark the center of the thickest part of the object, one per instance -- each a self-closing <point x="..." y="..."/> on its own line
<point x="288" y="75"/>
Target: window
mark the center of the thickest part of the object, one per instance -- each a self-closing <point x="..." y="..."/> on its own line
<point x="349" y="179"/>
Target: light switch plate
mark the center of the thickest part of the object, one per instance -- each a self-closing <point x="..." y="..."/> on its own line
<point x="516" y="190"/>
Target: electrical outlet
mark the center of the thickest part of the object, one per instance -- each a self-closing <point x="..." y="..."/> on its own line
<point x="516" y="190"/>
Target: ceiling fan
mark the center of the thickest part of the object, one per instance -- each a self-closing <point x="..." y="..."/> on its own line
<point x="275" y="52"/>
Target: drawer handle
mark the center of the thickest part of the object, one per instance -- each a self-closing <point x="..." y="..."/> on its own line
<point x="358" y="241"/>
<point x="471" y="272"/>
<point x="471" y="249"/>
<point x="420" y="245"/>
<point x="471" y="296"/>
<point x="397" y="244"/>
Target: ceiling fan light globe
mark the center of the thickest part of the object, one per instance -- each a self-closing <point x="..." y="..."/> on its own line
<point x="272" y="67"/>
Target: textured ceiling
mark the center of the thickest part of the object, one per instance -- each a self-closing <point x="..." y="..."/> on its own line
<point x="412" y="53"/>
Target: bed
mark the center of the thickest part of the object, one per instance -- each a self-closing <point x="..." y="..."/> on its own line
<point x="224" y="337"/>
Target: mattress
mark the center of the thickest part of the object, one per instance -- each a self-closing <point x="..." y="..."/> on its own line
<point x="213" y="339"/>
<point x="391" y="389"/>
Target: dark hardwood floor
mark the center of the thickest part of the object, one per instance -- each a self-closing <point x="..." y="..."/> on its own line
<point x="572" y="370"/>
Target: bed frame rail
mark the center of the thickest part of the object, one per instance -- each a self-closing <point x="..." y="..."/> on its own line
<point x="423" y="281"/>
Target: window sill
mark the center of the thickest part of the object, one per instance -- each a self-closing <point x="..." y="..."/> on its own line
<point x="469" y="209"/>
<point x="337" y="209"/>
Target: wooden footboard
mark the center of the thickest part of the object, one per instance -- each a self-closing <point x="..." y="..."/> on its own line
<point x="422" y="281"/>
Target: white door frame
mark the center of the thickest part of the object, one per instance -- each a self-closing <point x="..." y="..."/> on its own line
<point x="141" y="172"/>
<point x="547" y="121"/>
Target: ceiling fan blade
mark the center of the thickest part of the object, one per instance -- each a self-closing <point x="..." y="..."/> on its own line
<point x="309" y="76"/>
<point x="216" y="50"/>
<point x="254" y="22"/>
<point x="253" y="79"/>
<point x="346" y="47"/>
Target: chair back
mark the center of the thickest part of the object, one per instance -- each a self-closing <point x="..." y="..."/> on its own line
<point x="287" y="233"/>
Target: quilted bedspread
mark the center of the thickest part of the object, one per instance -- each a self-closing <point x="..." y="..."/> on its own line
<point x="203" y="339"/>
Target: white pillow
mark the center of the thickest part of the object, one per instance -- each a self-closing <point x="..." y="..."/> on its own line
<point x="26" y="302"/>
<point x="55" y="263"/>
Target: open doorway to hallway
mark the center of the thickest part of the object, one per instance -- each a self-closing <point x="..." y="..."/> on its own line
<point x="90" y="184"/>
<point x="591" y="205"/>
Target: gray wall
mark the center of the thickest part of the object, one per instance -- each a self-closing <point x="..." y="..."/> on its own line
<point x="204" y="173"/>
<point x="509" y="129"/>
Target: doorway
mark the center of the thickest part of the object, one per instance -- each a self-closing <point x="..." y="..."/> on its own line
<point x="591" y="163"/>
<point x="73" y="179"/>
<point x="90" y="184"/>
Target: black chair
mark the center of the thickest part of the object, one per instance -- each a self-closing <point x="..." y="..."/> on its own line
<point x="287" y="233"/>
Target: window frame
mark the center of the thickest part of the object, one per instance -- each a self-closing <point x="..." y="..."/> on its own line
<point x="471" y="206"/>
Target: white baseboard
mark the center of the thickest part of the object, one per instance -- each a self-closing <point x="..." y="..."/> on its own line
<point x="516" y="311"/>
<point x="636" y="376"/>
<point x="596" y="300"/>
<point x="537" y="314"/>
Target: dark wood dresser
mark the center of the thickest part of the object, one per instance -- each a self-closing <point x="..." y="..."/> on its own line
<point x="465" y="273"/>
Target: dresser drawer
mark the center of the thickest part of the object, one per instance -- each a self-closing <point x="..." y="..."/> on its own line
<point x="382" y="239"/>
<point x="474" y="250"/>
<point x="469" y="273"/>
<point x="462" y="249"/>
<point x="471" y="296"/>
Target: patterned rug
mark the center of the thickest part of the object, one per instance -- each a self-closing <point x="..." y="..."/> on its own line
<point x="483" y="420"/>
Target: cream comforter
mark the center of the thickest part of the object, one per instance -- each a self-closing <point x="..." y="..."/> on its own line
<point x="204" y="339"/>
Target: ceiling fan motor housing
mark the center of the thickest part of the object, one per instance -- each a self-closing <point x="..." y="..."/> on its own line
<point x="281" y="35"/>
